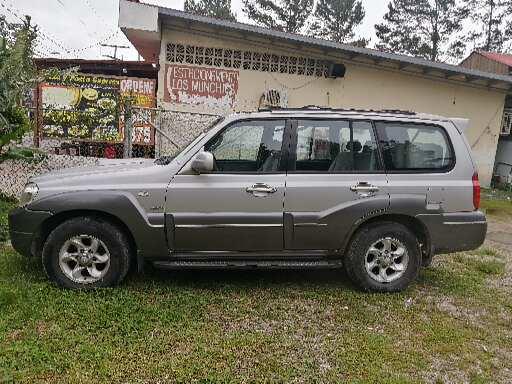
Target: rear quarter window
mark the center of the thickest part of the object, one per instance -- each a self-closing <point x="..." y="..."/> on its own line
<point x="415" y="147"/>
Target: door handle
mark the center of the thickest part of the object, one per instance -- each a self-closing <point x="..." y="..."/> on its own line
<point x="259" y="188"/>
<point x="364" y="187"/>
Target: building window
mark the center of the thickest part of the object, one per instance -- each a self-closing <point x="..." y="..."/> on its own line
<point x="248" y="60"/>
<point x="506" y="125"/>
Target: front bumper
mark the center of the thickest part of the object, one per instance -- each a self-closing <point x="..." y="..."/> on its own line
<point x="455" y="232"/>
<point x="24" y="226"/>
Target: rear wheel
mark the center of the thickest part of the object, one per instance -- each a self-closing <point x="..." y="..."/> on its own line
<point x="85" y="253"/>
<point x="383" y="257"/>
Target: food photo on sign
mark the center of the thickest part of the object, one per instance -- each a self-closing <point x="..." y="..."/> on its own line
<point x="82" y="107"/>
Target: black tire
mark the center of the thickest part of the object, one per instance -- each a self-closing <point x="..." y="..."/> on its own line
<point x="355" y="258"/>
<point x="426" y="260"/>
<point x="114" y="239"/>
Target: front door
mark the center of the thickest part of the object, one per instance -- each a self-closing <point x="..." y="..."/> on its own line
<point x="238" y="206"/>
<point x="335" y="179"/>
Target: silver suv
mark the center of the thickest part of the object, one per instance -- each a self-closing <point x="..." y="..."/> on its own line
<point x="376" y="192"/>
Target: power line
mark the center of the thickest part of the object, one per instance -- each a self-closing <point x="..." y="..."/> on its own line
<point x="99" y="16"/>
<point x="84" y="24"/>
<point x="96" y="44"/>
<point x="54" y="41"/>
<point x="37" y="30"/>
<point x="61" y="47"/>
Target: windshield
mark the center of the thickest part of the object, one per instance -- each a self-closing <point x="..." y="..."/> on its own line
<point x="163" y="160"/>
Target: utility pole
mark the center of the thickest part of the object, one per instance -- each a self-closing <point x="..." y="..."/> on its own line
<point x="489" y="31"/>
<point x="116" y="47"/>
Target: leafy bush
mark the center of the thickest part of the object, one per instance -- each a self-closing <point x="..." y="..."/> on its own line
<point x="17" y="77"/>
<point x="29" y="155"/>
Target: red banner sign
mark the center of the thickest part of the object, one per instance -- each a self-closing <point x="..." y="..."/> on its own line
<point x="210" y="87"/>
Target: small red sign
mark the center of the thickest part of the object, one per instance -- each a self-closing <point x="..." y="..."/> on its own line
<point x="211" y="87"/>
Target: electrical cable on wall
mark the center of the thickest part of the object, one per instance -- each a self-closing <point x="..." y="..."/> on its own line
<point x="487" y="128"/>
<point x="292" y="88"/>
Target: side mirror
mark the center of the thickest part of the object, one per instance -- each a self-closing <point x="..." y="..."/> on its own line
<point x="203" y="162"/>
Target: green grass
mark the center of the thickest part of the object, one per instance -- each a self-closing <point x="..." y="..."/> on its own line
<point x="6" y="204"/>
<point x="250" y="326"/>
<point x="453" y="325"/>
<point x="501" y="208"/>
<point x="497" y="203"/>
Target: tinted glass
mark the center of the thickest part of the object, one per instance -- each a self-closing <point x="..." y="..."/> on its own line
<point x="248" y="146"/>
<point x="415" y="147"/>
<point x="336" y="146"/>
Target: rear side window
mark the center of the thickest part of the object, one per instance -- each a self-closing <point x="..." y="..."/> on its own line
<point x="336" y="146"/>
<point x="415" y="147"/>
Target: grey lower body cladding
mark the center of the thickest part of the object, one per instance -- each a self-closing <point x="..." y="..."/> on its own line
<point x="455" y="232"/>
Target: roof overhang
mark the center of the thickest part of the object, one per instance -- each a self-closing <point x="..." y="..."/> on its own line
<point x="141" y="23"/>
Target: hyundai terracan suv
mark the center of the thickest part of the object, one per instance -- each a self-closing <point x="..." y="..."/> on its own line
<point x="376" y="192"/>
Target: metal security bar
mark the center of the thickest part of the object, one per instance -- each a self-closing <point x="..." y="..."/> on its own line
<point x="506" y="125"/>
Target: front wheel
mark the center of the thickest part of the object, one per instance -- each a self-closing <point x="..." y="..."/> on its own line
<point x="85" y="253"/>
<point x="383" y="257"/>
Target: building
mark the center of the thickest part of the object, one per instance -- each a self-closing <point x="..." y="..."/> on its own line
<point x="501" y="64"/>
<point x="493" y="62"/>
<point x="211" y="66"/>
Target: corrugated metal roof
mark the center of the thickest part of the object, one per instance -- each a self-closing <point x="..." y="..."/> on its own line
<point x="106" y="67"/>
<point x="499" y="57"/>
<point x="377" y="56"/>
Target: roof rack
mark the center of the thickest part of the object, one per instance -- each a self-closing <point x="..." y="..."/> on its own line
<point x="329" y="109"/>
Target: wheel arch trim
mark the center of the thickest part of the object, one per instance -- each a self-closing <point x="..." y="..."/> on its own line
<point x="120" y="206"/>
<point x="419" y="229"/>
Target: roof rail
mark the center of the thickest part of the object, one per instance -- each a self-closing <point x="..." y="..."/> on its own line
<point x="319" y="108"/>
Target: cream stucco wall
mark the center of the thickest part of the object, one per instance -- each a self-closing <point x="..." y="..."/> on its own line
<point x="364" y="86"/>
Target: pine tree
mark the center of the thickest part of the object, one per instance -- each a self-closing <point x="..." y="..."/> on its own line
<point x="221" y="9"/>
<point x="426" y="28"/>
<point x="490" y="18"/>
<point x="281" y="15"/>
<point x="336" y="20"/>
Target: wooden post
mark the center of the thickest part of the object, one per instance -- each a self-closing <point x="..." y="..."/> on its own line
<point x="38" y="115"/>
<point x="128" y="128"/>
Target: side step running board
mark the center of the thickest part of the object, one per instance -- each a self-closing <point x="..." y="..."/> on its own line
<point x="247" y="264"/>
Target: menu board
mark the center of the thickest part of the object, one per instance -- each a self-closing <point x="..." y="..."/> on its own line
<point x="90" y="107"/>
<point x="142" y="94"/>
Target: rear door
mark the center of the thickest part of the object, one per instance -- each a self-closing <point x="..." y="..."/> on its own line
<point x="335" y="178"/>
<point x="422" y="169"/>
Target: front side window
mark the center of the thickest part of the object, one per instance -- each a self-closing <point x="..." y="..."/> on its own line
<point x="336" y="146"/>
<point x="248" y="146"/>
<point x="414" y="147"/>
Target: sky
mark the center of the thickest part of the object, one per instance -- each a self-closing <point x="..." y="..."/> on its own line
<point x="77" y="28"/>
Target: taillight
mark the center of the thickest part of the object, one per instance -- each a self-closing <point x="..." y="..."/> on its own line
<point x="476" y="191"/>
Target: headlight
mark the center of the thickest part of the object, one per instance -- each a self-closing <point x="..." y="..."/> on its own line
<point x="29" y="193"/>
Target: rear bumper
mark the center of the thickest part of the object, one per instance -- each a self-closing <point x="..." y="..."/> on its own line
<point x="24" y="225"/>
<point x="455" y="232"/>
